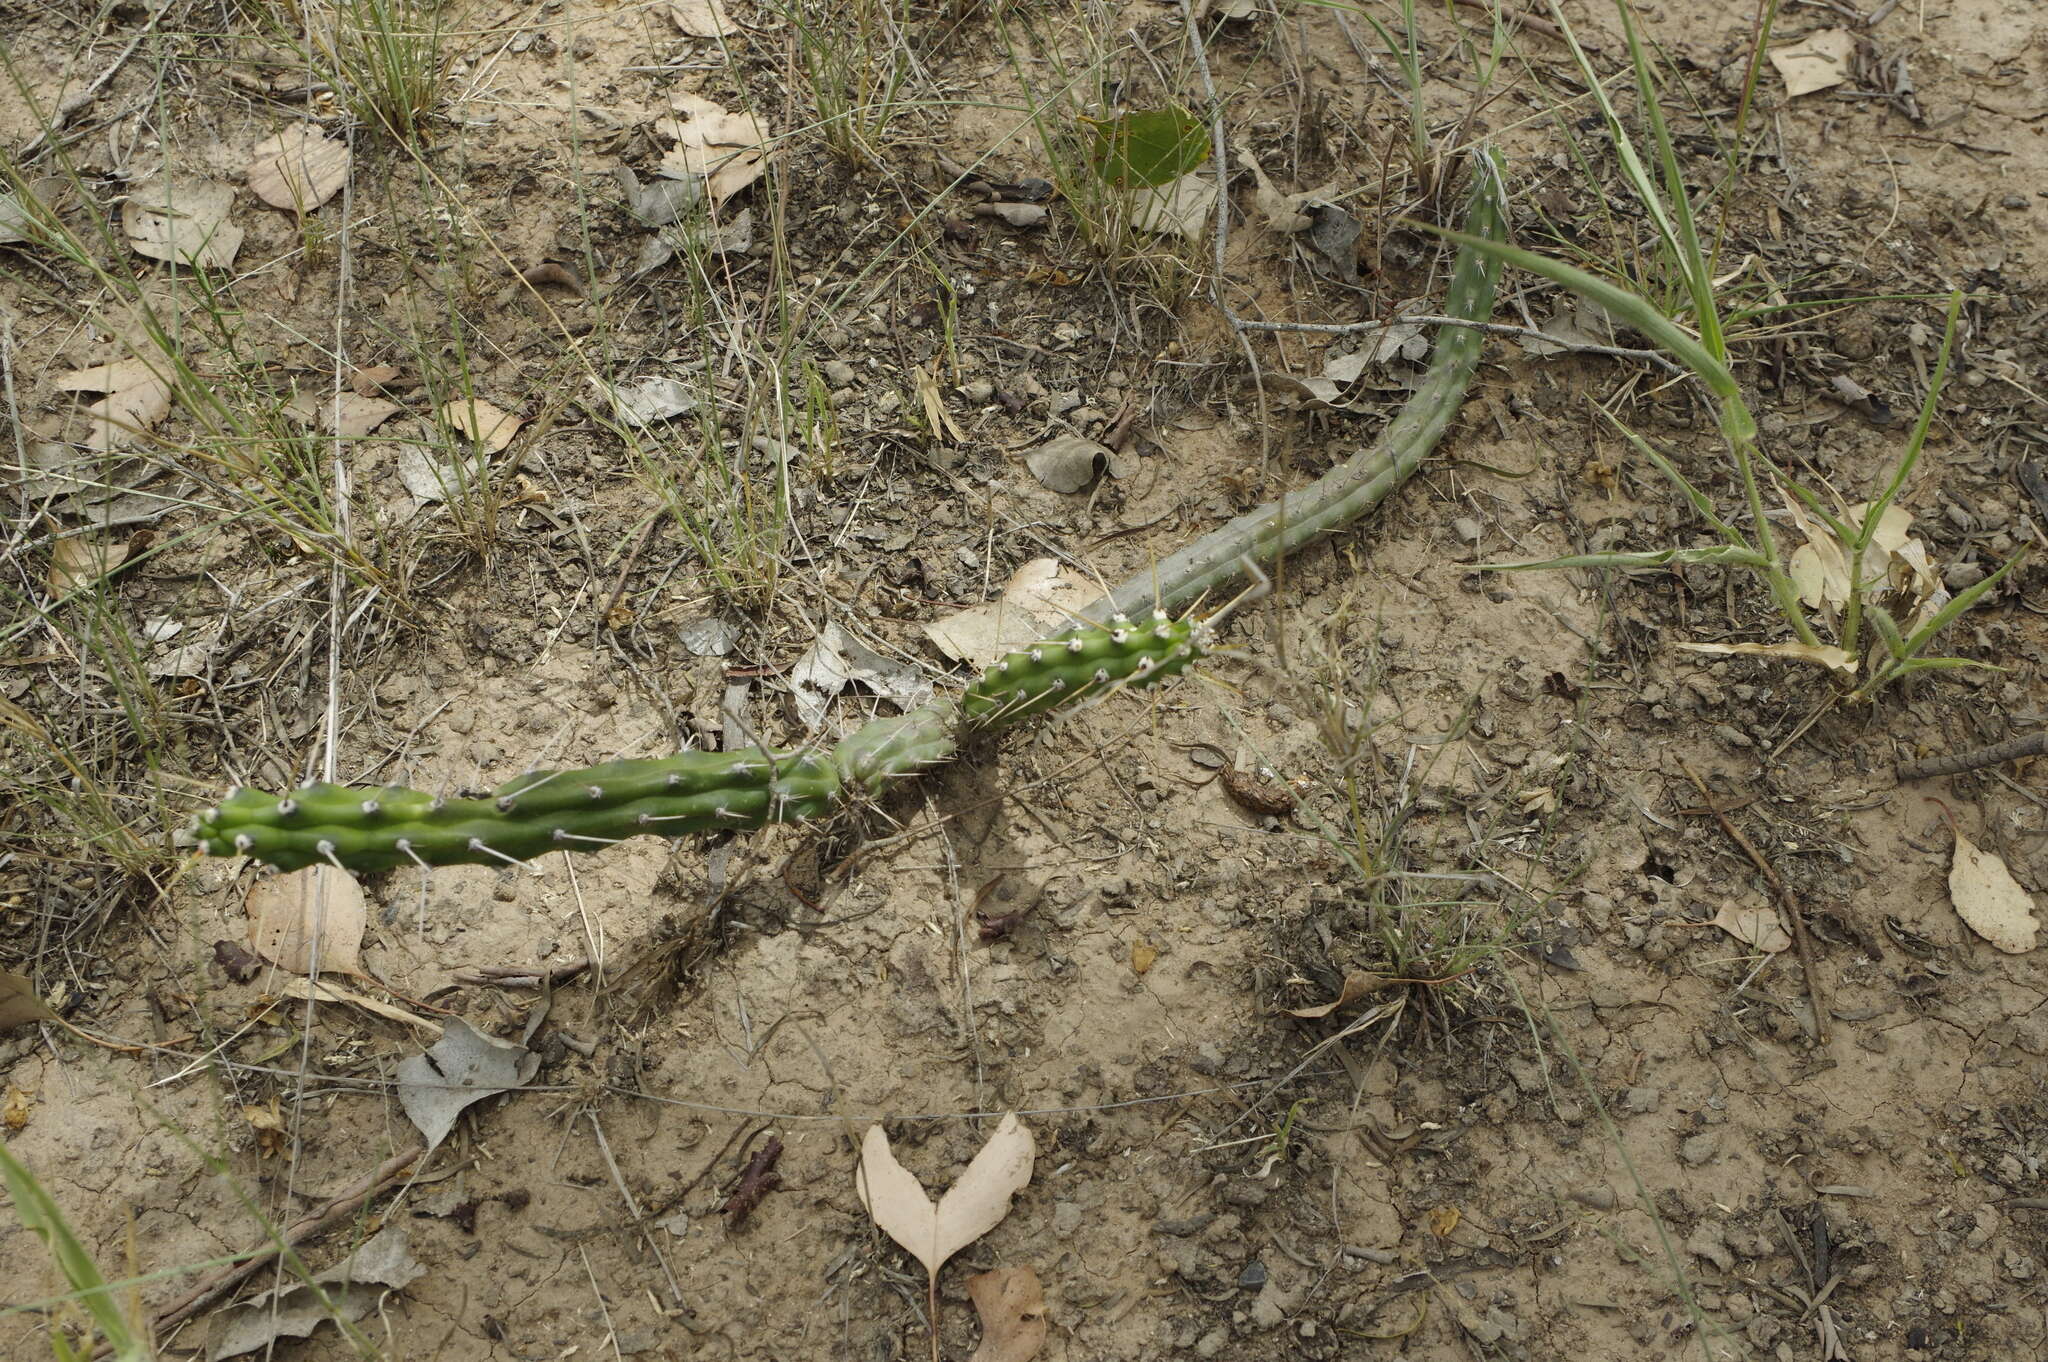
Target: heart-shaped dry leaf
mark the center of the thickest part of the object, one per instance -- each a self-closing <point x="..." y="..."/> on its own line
<point x="1996" y="906"/>
<point x="318" y="907"/>
<point x="299" y="169"/>
<point x="971" y="1208"/>
<point x="184" y="221"/>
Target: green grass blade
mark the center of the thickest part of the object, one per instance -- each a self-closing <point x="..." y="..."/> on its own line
<point x="39" y="1212"/>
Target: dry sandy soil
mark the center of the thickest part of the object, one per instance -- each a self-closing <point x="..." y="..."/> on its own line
<point x="1585" y="1123"/>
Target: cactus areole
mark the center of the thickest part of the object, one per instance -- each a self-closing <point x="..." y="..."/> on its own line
<point x="379" y="829"/>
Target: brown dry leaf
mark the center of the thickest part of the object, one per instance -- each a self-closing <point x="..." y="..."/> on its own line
<point x="19" y="1004"/>
<point x="1996" y="906"/>
<point x="299" y="169"/>
<point x="14" y="1112"/>
<point x="1820" y="654"/>
<point x="729" y="150"/>
<point x="138" y="395"/>
<point x="489" y="426"/>
<point x="971" y="1208"/>
<point x="82" y="559"/>
<point x="1038" y="600"/>
<point x="1143" y="956"/>
<point x="1357" y="984"/>
<point x="269" y="1125"/>
<point x="348" y="415"/>
<point x="1443" y="1219"/>
<point x="936" y="417"/>
<point x="1011" y="1303"/>
<point x="289" y="914"/>
<point x="1758" y="927"/>
<point x="184" y="221"/>
<point x="1820" y="61"/>
<point x="699" y="18"/>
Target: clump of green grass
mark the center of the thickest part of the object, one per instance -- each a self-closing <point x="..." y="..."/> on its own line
<point x="1865" y="645"/>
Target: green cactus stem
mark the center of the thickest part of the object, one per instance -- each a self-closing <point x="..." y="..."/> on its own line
<point x="379" y="829"/>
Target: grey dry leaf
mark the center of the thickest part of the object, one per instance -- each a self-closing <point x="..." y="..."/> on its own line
<point x="660" y="200"/>
<point x="381" y="1263"/>
<point x="1182" y="207"/>
<point x="1819" y="61"/>
<point x="970" y="1208"/>
<point x="429" y="481"/>
<point x="1996" y="906"/>
<point x="138" y="395"/>
<point x="1067" y="463"/>
<point x="458" y="1070"/>
<point x="184" y="221"/>
<point x="23" y="219"/>
<point x="19" y="1004"/>
<point x="728" y="150"/>
<point x="647" y="400"/>
<point x="309" y="917"/>
<point x="1011" y="1303"/>
<point x="299" y="169"/>
<point x="1758" y="927"/>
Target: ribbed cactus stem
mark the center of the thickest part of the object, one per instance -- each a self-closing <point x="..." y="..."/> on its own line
<point x="596" y="806"/>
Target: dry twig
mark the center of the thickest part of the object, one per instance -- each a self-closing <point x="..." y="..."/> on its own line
<point x="1815" y="996"/>
<point x="2012" y="749"/>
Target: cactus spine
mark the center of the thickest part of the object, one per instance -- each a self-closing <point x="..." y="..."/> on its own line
<point x="724" y="791"/>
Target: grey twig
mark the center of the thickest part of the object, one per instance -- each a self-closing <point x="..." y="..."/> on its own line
<point x="1955" y="763"/>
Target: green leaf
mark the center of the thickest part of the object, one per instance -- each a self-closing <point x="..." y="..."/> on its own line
<point x="1147" y="146"/>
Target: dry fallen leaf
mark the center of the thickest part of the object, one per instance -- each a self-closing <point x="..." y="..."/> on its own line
<point x="349" y="415"/>
<point x="1820" y="61"/>
<point x="1143" y="956"/>
<point x="184" y="221"/>
<point x="299" y="169"/>
<point x="1758" y="927"/>
<point x="138" y="395"/>
<point x="1040" y="598"/>
<point x="699" y="18"/>
<point x="1011" y="1303"/>
<point x="480" y="421"/>
<point x="81" y="559"/>
<point x="457" y="1071"/>
<point x="324" y="992"/>
<point x="344" y="1293"/>
<point x="1820" y="654"/>
<point x="936" y="418"/>
<point x="290" y="914"/>
<point x="729" y="150"/>
<point x="971" y="1208"/>
<point x="1996" y="906"/>
<point x="19" y="1004"/>
<point x="1067" y="463"/>
<point x="20" y="1103"/>
<point x="1183" y="207"/>
<point x="1357" y="984"/>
